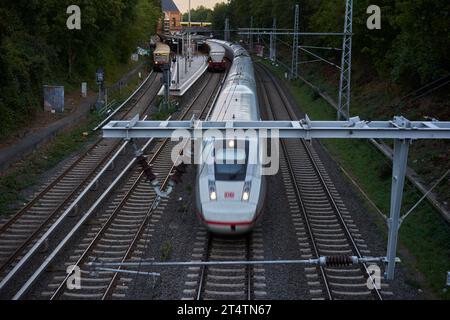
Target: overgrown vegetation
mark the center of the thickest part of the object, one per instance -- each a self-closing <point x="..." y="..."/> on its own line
<point x="165" y="114"/>
<point x="200" y="14"/>
<point x="410" y="49"/>
<point x="36" y="47"/>
<point x="25" y="173"/>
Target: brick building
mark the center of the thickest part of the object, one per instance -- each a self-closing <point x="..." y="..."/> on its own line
<point x="172" y="17"/>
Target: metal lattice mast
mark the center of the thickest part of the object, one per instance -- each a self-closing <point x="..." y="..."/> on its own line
<point x="294" y="67"/>
<point x="273" y="42"/>
<point x="346" y="64"/>
<point x="227" y="30"/>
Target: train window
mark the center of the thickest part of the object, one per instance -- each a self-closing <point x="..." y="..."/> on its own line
<point x="231" y="163"/>
<point x="230" y="172"/>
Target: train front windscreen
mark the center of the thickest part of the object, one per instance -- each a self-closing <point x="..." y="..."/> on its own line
<point x="231" y="162"/>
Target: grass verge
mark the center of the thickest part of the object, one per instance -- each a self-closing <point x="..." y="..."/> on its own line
<point x="425" y="234"/>
<point x="26" y="173"/>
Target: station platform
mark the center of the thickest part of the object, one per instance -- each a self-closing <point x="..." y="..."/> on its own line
<point x="185" y="74"/>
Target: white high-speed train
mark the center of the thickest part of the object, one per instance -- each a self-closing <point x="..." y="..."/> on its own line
<point x="231" y="189"/>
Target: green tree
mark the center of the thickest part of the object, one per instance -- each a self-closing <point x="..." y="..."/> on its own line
<point x="37" y="47"/>
<point x="199" y="14"/>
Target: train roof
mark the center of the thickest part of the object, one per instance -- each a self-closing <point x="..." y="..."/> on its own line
<point x="237" y="103"/>
<point x="162" y="48"/>
<point x="238" y="100"/>
<point x="215" y="47"/>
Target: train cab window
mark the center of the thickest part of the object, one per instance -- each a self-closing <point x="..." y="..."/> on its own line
<point x="231" y="163"/>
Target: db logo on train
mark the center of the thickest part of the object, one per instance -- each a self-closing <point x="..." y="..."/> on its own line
<point x="229" y="195"/>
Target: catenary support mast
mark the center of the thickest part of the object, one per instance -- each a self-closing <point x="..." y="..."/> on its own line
<point x="346" y="65"/>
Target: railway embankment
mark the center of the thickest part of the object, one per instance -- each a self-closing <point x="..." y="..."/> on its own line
<point x="46" y="129"/>
<point x="37" y="153"/>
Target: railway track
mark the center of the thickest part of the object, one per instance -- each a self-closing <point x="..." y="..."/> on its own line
<point x="223" y="282"/>
<point x="226" y="282"/>
<point x="323" y="224"/>
<point x="19" y="233"/>
<point x="123" y="231"/>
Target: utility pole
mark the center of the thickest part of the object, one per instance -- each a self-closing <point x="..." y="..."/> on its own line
<point x="189" y="14"/>
<point x="273" y="42"/>
<point x="251" y="35"/>
<point x="294" y="67"/>
<point x="346" y="64"/>
<point x="400" y="160"/>
<point x="227" y="30"/>
<point x="166" y="81"/>
<point x="189" y="35"/>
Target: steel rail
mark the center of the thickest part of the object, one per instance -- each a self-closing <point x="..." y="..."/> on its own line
<point x="298" y="194"/>
<point x="163" y="186"/>
<point x="249" y="269"/>
<point x="36" y="198"/>
<point x="343" y="223"/>
<point x="69" y="236"/>
<point x="203" y="272"/>
<point x="82" y="258"/>
<point x="349" y="236"/>
<point x="199" y="290"/>
<point x="18" y="214"/>
<point x="52" y="215"/>
<point x="34" y="248"/>
<point x="105" y="226"/>
<point x="209" y="242"/>
<point x="205" y="264"/>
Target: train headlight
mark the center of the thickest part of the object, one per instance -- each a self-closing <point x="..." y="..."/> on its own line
<point x="246" y="192"/>
<point x="231" y="144"/>
<point x="212" y="191"/>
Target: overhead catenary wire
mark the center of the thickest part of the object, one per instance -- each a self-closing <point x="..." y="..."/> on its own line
<point x="425" y="86"/>
<point x="429" y="91"/>
<point x="321" y="48"/>
<point x="320" y="58"/>
<point x="310" y="61"/>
